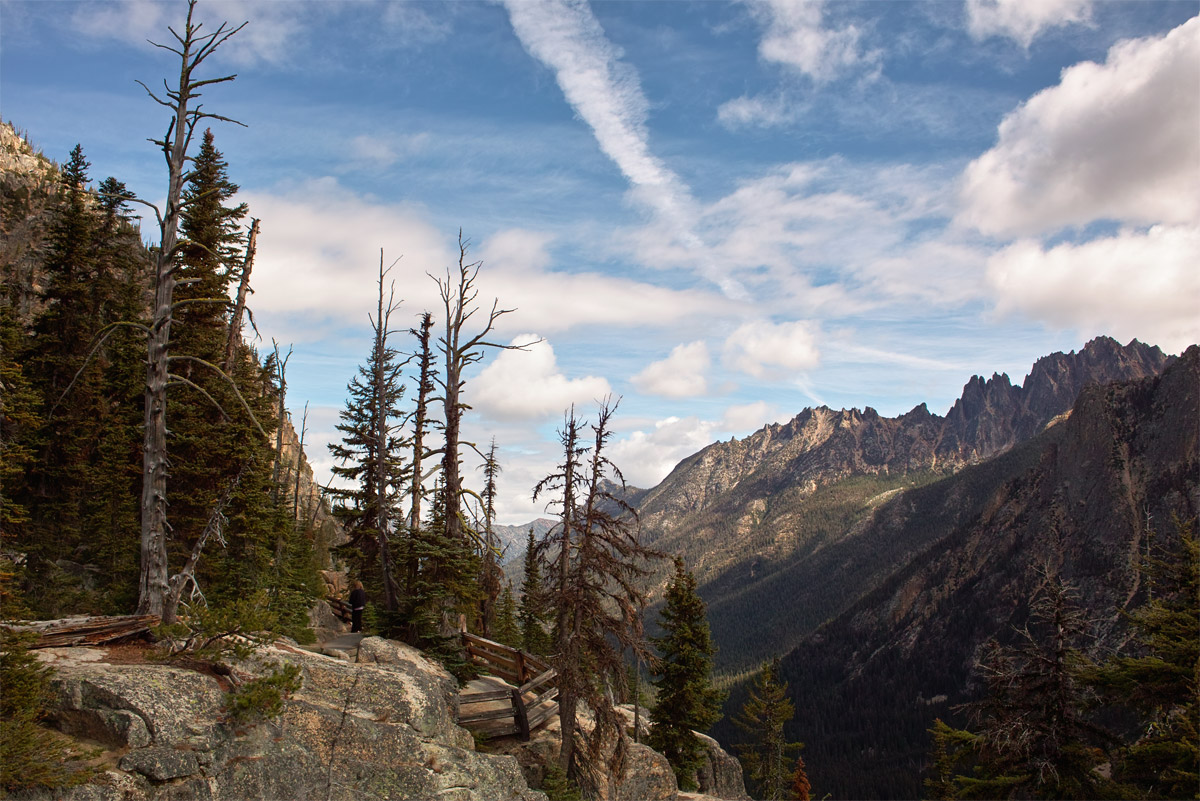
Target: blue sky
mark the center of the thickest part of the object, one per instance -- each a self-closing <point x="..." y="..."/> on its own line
<point x="722" y="212"/>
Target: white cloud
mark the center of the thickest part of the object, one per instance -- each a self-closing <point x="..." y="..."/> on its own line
<point x="796" y="36"/>
<point x="556" y="301"/>
<point x="318" y="256"/>
<point x="1116" y="141"/>
<point x="1134" y="284"/>
<point x="1023" y="20"/>
<point x="271" y="35"/>
<point x="683" y="374"/>
<point x="606" y="94"/>
<point x="766" y="111"/>
<point x="764" y="349"/>
<point x="646" y="457"/>
<point x="749" y="417"/>
<point x="379" y="152"/>
<point x="527" y="384"/>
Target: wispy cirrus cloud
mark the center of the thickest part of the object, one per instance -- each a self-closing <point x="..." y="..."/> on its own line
<point x="606" y="94"/>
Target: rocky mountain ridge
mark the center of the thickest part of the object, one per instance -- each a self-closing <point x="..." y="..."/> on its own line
<point x="822" y="444"/>
<point x="772" y="524"/>
<point x="967" y="553"/>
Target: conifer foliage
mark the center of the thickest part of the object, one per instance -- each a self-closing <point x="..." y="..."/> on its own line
<point x="595" y="590"/>
<point x="687" y="700"/>
<point x="763" y="717"/>
<point x="370" y="455"/>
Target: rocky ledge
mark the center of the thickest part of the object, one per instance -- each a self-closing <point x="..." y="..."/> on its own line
<point x="375" y="722"/>
<point x="379" y="727"/>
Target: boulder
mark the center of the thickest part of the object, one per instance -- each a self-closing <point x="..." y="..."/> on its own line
<point x="721" y="773"/>
<point x="382" y="727"/>
<point x="647" y="777"/>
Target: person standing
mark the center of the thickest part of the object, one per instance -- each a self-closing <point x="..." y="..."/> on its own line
<point x="358" y="602"/>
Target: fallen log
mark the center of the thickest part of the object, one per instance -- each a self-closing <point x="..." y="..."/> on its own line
<point x="79" y="631"/>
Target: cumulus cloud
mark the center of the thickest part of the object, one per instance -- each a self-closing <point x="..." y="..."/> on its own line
<point x="527" y="384"/>
<point x="748" y="417"/>
<point x="683" y="374"/>
<point x="764" y="349"/>
<point x="1023" y="20"/>
<point x="318" y="256"/>
<point x="1134" y="284"/>
<point x="797" y="36"/>
<point x="1110" y="141"/>
<point x="647" y="456"/>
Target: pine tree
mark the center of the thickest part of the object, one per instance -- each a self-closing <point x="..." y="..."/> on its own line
<point x="491" y="575"/>
<point x="370" y="455"/>
<point x="763" y="717"/>
<point x="505" y="629"/>
<point x="687" y="700"/>
<point x="801" y="789"/>
<point x="599" y="603"/>
<point x="532" y="615"/>
<point x="1033" y="735"/>
<point x="1158" y="679"/>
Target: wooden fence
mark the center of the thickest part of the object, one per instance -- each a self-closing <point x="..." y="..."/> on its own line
<point x="531" y="701"/>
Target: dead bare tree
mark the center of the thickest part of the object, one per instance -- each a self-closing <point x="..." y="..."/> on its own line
<point x="460" y="350"/>
<point x="193" y="48"/>
<point x="239" y="306"/>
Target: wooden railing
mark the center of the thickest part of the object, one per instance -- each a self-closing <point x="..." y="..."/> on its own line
<point x="341" y="609"/>
<point x="532" y="677"/>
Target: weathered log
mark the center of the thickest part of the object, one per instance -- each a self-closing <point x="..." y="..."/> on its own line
<point x="73" y="631"/>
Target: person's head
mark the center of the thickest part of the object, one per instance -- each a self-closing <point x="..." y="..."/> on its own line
<point x="358" y="585"/>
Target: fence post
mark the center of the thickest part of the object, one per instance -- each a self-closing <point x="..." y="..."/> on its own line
<point x="520" y="714"/>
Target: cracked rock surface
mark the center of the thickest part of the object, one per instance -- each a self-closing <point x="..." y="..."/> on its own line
<point x="381" y="727"/>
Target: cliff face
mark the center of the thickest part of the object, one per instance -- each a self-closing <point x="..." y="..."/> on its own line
<point x="969" y="552"/>
<point x="772" y="525"/>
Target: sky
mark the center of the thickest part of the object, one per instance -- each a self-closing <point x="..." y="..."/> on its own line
<point x="719" y="212"/>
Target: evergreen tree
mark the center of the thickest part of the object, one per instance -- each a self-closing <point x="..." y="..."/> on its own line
<point x="687" y="700"/>
<point x="763" y="717"/>
<point x="600" y="562"/>
<point x="505" y="629"/>
<point x="532" y="615"/>
<point x="370" y="456"/>
<point x="1031" y="736"/>
<point x="490" y="576"/>
<point x="1157" y="679"/>
<point x="801" y="789"/>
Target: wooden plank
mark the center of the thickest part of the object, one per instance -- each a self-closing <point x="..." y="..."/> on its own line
<point x="541" y="716"/>
<point x="492" y="714"/>
<point x="549" y="695"/>
<point x="479" y="698"/>
<point x="86" y="630"/>
<point x="533" y="684"/>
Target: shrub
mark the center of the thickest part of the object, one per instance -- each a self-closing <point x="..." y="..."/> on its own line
<point x="263" y="698"/>
<point x="31" y="756"/>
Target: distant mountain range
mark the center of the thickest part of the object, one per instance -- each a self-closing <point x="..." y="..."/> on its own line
<point x="877" y="553"/>
<point x="956" y="561"/>
<point x="772" y="525"/>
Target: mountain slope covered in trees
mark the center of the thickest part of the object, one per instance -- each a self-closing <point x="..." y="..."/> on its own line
<point x="1083" y="499"/>
<point x="777" y="526"/>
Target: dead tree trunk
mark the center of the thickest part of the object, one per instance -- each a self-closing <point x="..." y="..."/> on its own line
<point x="239" y="306"/>
<point x="192" y="50"/>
